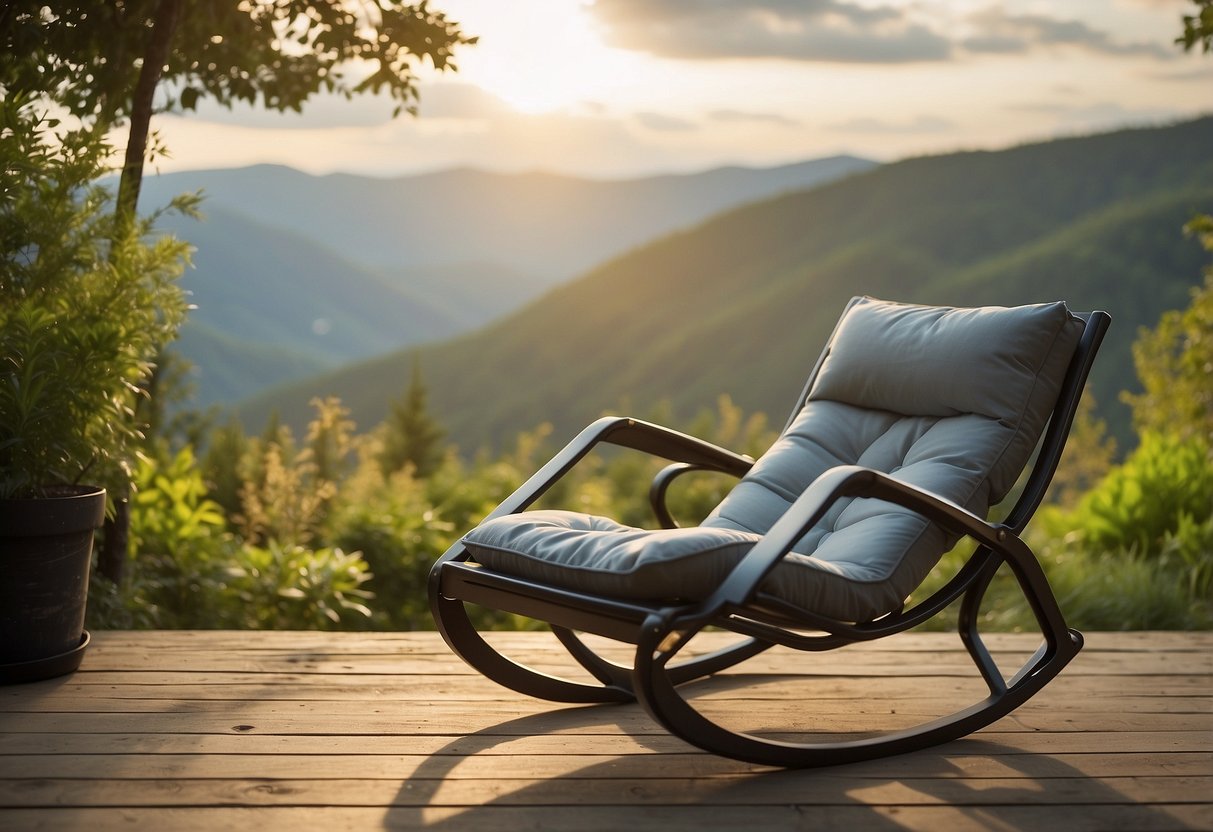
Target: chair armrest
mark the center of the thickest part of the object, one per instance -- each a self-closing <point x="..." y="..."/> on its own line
<point x="808" y="509"/>
<point x="625" y="432"/>
<point x="666" y="476"/>
<point x="668" y="443"/>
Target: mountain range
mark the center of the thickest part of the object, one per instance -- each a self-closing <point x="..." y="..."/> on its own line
<point x="741" y="303"/>
<point x="294" y="274"/>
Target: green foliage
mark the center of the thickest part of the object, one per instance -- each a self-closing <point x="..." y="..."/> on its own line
<point x="189" y="571"/>
<point x="1198" y="27"/>
<point x="103" y="62"/>
<point x="286" y="492"/>
<point x="1174" y="361"/>
<point x="278" y="55"/>
<point x="286" y="586"/>
<point x="1143" y="501"/>
<point x="1103" y="591"/>
<point x="179" y="577"/>
<point x="172" y="511"/>
<point x="1088" y="457"/>
<point x="86" y="305"/>
<point x="399" y="535"/>
<point x="411" y="436"/>
<point x="1135" y="552"/>
<point x="1111" y="592"/>
<point x="221" y="465"/>
<point x="401" y="523"/>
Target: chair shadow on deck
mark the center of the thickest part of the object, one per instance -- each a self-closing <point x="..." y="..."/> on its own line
<point x="676" y="777"/>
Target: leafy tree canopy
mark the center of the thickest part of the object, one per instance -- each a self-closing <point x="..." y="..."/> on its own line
<point x="1198" y="27"/>
<point x="104" y="60"/>
<point x="277" y="53"/>
<point x="1175" y="361"/>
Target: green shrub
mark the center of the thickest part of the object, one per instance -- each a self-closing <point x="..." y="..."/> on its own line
<point x="1163" y="490"/>
<point x="190" y="571"/>
<point x="401" y="524"/>
<point x="289" y="587"/>
<point x="1136" y="552"/>
<point x="86" y="302"/>
<point x="400" y="535"/>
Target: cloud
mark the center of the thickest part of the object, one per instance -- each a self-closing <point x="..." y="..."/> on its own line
<point x="741" y="117"/>
<point x="459" y="100"/>
<point x="1099" y="115"/>
<point x="441" y="100"/>
<point x="1203" y="74"/>
<point x="841" y="31"/>
<point x="671" y="124"/>
<point x="920" y="124"/>
<point x="1001" y="33"/>
<point x="807" y="30"/>
<point x="321" y="111"/>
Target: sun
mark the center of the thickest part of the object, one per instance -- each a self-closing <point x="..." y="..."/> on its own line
<point x="542" y="56"/>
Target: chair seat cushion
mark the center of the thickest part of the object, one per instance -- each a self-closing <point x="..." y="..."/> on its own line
<point x="596" y="555"/>
<point x="952" y="401"/>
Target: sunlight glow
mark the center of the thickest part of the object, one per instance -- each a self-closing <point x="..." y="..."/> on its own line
<point x="609" y="88"/>
<point x="547" y="61"/>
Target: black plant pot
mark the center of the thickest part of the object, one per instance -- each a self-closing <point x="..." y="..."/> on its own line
<point x="45" y="548"/>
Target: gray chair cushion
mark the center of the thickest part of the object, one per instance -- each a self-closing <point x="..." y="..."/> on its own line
<point x="950" y="400"/>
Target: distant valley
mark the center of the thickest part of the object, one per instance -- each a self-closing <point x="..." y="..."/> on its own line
<point x="297" y="274"/>
<point x="741" y="303"/>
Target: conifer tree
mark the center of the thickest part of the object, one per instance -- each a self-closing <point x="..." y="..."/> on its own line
<point x="411" y="436"/>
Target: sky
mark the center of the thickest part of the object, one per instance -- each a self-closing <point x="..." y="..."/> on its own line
<point x="626" y="88"/>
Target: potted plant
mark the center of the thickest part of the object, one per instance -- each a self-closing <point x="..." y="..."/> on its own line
<point x="87" y="300"/>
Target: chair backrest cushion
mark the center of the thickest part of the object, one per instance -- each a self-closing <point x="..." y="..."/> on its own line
<point x="950" y="400"/>
<point x="1004" y="364"/>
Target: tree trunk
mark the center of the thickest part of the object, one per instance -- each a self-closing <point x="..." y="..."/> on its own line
<point x="115" y="541"/>
<point x="111" y="558"/>
<point x="168" y="15"/>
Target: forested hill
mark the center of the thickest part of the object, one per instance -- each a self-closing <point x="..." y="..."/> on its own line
<point x="743" y="303"/>
<point x="296" y="274"/>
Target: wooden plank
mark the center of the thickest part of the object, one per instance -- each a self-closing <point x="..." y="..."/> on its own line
<point x="208" y="730"/>
<point x="586" y="789"/>
<point x="339" y="765"/>
<point x="97" y="683"/>
<point x="506" y="744"/>
<point x="427" y="687"/>
<point x="849" y="661"/>
<point x="504" y="719"/>
<point x="429" y="641"/>
<point x="801" y="818"/>
<point x="1091" y="708"/>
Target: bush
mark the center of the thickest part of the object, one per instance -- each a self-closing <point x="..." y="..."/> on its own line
<point x="401" y="524"/>
<point x="190" y="571"/>
<point x="1159" y="493"/>
<point x="289" y="587"/>
<point x="1136" y="552"/>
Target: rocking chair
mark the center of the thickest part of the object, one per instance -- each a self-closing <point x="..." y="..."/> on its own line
<point x="914" y="421"/>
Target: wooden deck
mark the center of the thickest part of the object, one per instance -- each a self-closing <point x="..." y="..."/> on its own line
<point x="216" y="730"/>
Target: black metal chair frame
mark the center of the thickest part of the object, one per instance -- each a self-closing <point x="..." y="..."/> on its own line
<point x="660" y="631"/>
